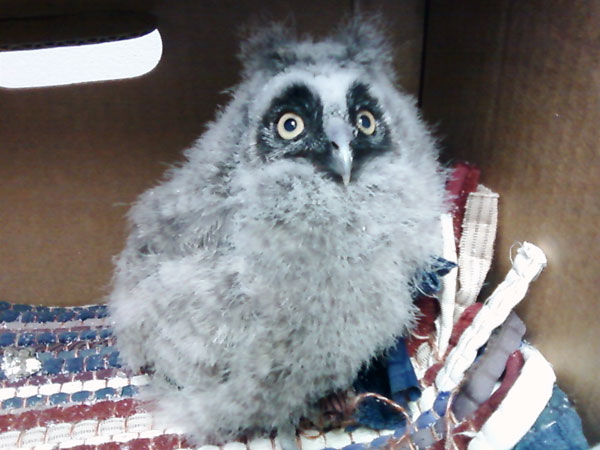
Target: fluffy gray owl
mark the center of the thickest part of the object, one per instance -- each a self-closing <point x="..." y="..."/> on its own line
<point x="273" y="264"/>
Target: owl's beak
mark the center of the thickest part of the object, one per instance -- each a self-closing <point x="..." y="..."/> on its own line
<point x="339" y="134"/>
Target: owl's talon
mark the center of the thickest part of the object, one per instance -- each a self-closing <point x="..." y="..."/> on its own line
<point x="287" y="438"/>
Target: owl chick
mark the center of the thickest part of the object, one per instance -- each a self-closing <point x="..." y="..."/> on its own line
<point x="273" y="264"/>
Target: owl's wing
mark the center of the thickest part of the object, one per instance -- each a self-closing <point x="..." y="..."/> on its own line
<point x="166" y="275"/>
<point x="187" y="213"/>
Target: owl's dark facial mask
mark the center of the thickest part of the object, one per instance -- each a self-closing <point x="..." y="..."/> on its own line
<point x="296" y="101"/>
<point x="364" y="145"/>
<point x="293" y="127"/>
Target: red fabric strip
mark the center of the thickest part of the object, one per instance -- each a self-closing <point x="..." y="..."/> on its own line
<point x="486" y="409"/>
<point x="429" y="309"/>
<point x="466" y="318"/>
<point x="460" y="326"/>
<point x="41" y="418"/>
<point x="431" y="374"/>
<point x="163" y="442"/>
<point x="513" y="370"/>
<point x="463" y="180"/>
<point x="460" y="440"/>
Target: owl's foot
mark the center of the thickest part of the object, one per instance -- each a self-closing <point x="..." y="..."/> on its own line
<point x="287" y="438"/>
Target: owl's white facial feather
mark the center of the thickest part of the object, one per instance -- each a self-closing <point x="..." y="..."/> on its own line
<point x="331" y="87"/>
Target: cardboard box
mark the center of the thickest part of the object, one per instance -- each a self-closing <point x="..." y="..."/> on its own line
<point x="512" y="87"/>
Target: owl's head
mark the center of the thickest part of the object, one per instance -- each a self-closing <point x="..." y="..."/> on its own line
<point x="331" y="103"/>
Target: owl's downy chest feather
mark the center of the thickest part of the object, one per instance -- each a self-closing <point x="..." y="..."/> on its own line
<point x="329" y="250"/>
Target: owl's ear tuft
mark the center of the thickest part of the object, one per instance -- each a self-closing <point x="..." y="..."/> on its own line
<point x="268" y="48"/>
<point x="366" y="41"/>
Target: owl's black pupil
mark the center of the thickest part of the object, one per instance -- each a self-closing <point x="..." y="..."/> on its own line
<point x="365" y="122"/>
<point x="290" y="125"/>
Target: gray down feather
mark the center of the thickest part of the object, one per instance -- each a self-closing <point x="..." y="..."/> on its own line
<point x="254" y="281"/>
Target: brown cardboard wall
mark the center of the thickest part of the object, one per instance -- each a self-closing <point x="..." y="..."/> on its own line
<point x="73" y="158"/>
<point x="514" y="87"/>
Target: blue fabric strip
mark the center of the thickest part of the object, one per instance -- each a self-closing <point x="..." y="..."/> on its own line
<point x="70" y="362"/>
<point x="558" y="427"/>
<point x="63" y="398"/>
<point x="10" y="312"/>
<point x="61" y="336"/>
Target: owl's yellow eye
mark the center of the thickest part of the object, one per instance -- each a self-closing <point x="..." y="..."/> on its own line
<point x="365" y="122"/>
<point x="290" y="125"/>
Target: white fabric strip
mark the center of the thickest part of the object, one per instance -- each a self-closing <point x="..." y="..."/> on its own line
<point x="45" y="447"/>
<point x="234" y="446"/>
<point x="521" y="407"/>
<point x="427" y="399"/>
<point x="308" y="440"/>
<point x="445" y="320"/>
<point x="338" y="438"/>
<point x="71" y="434"/>
<point x="102" y="322"/>
<point x="476" y="246"/>
<point x="528" y="263"/>
<point x="254" y="444"/>
<point x="363" y="435"/>
<point x="422" y="359"/>
<point x="73" y="387"/>
<point x="139" y="426"/>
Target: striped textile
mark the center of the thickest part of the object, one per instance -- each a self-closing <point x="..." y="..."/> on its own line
<point x="78" y="396"/>
<point x="81" y="398"/>
<point x="62" y="384"/>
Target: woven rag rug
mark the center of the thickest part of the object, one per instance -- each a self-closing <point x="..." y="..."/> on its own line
<point x="480" y="385"/>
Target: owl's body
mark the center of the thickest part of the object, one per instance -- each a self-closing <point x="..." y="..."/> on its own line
<point x="277" y="261"/>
